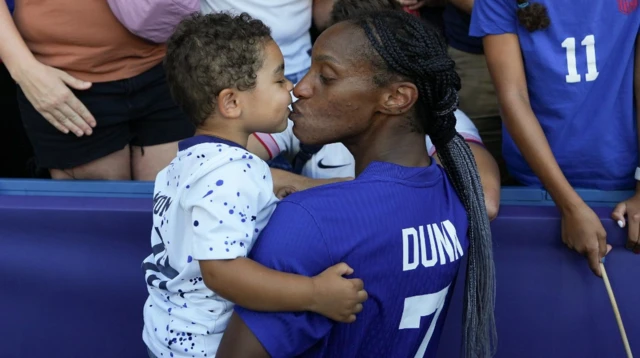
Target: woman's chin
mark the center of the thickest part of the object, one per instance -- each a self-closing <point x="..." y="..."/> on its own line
<point x="305" y="135"/>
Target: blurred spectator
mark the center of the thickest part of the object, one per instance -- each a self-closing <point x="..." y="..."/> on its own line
<point x="289" y="20"/>
<point x="477" y="96"/>
<point x="13" y="141"/>
<point x="93" y="96"/>
<point x="568" y="106"/>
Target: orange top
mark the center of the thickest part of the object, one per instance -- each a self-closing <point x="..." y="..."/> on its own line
<point x="84" y="38"/>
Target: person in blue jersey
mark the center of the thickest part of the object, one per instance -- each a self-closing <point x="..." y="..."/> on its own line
<point x="212" y="201"/>
<point x="565" y="83"/>
<point x="335" y="161"/>
<point x="378" y="84"/>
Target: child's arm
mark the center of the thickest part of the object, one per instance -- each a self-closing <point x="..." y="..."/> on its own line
<point x="251" y="285"/>
<point x="296" y="246"/>
<point x="286" y="183"/>
<point x="225" y="201"/>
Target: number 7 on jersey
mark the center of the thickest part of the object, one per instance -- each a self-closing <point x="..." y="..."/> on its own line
<point x="416" y="307"/>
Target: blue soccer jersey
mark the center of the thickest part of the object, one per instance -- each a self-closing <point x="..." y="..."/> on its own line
<point x="580" y="74"/>
<point x="404" y="232"/>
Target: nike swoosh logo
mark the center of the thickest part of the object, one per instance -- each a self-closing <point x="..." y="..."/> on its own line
<point x="324" y="166"/>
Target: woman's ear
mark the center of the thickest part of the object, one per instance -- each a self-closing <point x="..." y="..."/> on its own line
<point x="398" y="98"/>
<point x="229" y="103"/>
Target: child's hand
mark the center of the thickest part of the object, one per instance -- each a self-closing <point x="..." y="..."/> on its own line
<point x="336" y="297"/>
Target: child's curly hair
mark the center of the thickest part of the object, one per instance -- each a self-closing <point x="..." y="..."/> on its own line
<point x="532" y="15"/>
<point x="208" y="53"/>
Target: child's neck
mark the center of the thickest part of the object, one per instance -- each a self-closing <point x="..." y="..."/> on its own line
<point x="230" y="134"/>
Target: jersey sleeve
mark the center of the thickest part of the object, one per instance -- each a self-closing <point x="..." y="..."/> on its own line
<point x="493" y="17"/>
<point x="291" y="242"/>
<point x="465" y="127"/>
<point x="224" y="202"/>
<point x="276" y="143"/>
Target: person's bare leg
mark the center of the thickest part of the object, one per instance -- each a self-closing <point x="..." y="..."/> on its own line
<point x="146" y="162"/>
<point x="115" y="166"/>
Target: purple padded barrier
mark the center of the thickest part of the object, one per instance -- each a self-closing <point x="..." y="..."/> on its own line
<point x="549" y="304"/>
<point x="72" y="285"/>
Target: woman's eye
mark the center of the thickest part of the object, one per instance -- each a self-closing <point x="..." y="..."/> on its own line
<point x="325" y="79"/>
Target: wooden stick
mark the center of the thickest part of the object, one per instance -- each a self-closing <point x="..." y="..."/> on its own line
<point x="616" y="311"/>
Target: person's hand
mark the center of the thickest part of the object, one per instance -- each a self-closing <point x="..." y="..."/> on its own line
<point x="582" y="231"/>
<point x="285" y="191"/>
<point x="336" y="297"/>
<point x="47" y="89"/>
<point x="630" y="208"/>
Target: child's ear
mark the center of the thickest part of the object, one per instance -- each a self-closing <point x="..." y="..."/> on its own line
<point x="398" y="98"/>
<point x="229" y="103"/>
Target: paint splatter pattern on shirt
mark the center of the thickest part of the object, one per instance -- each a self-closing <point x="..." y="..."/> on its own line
<point x="210" y="203"/>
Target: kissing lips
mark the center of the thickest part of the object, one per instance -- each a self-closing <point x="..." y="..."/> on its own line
<point x="294" y="113"/>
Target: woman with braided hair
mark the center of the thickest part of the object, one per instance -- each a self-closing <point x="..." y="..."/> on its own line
<point x="564" y="74"/>
<point x="378" y="84"/>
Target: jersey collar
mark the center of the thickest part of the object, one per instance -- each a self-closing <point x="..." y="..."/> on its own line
<point x="201" y="139"/>
<point x="423" y="175"/>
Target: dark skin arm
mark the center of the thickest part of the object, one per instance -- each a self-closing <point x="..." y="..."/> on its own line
<point x="285" y="183"/>
<point x="581" y="227"/>
<point x="489" y="176"/>
<point x="238" y="341"/>
<point x="631" y="206"/>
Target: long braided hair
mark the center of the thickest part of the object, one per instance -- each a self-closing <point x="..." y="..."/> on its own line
<point x="417" y="52"/>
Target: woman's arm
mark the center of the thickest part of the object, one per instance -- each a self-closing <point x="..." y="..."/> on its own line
<point x="489" y="176"/>
<point x="45" y="87"/>
<point x="286" y="183"/>
<point x="582" y="229"/>
<point x="13" y="50"/>
<point x="507" y="71"/>
<point x="239" y="341"/>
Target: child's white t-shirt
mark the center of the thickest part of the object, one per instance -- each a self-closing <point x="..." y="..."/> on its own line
<point x="210" y="203"/>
